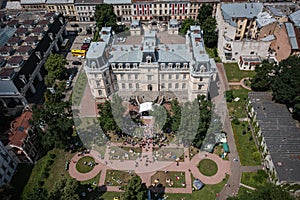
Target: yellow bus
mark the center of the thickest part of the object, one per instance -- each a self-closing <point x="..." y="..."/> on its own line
<point x="78" y="53"/>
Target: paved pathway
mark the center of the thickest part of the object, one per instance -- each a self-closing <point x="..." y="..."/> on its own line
<point x="146" y="171"/>
<point x="247" y="186"/>
<point x="241" y="83"/>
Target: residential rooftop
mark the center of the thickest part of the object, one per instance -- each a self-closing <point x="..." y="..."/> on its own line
<point x="295" y="18"/>
<point x="281" y="134"/>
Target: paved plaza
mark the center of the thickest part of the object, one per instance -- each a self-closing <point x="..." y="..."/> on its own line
<point x="145" y="166"/>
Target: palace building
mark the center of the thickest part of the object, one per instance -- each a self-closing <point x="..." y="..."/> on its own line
<point x="147" y="65"/>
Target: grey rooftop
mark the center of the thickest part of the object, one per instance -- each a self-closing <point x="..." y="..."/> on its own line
<point x="281" y="134"/>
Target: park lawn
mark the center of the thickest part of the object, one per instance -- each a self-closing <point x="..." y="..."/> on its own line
<point x="208" y="192"/>
<point x="79" y="88"/>
<point x="21" y="178"/>
<point x="234" y="74"/>
<point x="161" y="154"/>
<point x="118" y="152"/>
<point x="236" y="109"/>
<point x="85" y="168"/>
<point x="208" y="167"/>
<point x="255" y="179"/>
<point x="111" y="195"/>
<point x="243" y="190"/>
<point x="163" y="176"/>
<point x="57" y="171"/>
<point x="247" y="150"/>
<point x="117" y="177"/>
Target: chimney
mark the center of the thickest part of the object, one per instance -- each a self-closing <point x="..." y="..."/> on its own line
<point x="38" y="54"/>
<point x="50" y="35"/>
<point x="61" y="20"/>
<point x="245" y="5"/>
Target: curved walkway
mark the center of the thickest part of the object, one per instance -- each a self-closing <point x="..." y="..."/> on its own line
<point x="147" y="171"/>
<point x="241" y="83"/>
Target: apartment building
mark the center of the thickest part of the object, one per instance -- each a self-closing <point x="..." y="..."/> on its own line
<point x="163" y="10"/>
<point x="149" y="66"/>
<point x="278" y="135"/>
<point x="33" y="4"/>
<point x="22" y="73"/>
<point x="66" y="7"/>
<point x="247" y="30"/>
<point x="85" y="9"/>
<point x="8" y="165"/>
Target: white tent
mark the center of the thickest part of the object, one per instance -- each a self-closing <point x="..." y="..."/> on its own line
<point x="145" y="106"/>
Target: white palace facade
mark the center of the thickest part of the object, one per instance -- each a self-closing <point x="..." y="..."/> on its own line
<point x="147" y="65"/>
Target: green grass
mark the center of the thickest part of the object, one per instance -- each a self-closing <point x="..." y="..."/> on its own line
<point x="208" y="167"/>
<point x="171" y="175"/>
<point x="117" y="152"/>
<point x="56" y="171"/>
<point x="234" y="74"/>
<point x="213" y="54"/>
<point x="78" y="89"/>
<point x="236" y="109"/>
<point x="208" y="192"/>
<point x="255" y="179"/>
<point x="247" y="150"/>
<point x="110" y="195"/>
<point x="166" y="154"/>
<point x="20" y="179"/>
<point x="83" y="166"/>
<point x="117" y="178"/>
<point x="244" y="190"/>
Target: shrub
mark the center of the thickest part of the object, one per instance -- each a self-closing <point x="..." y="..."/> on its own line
<point x="229" y="95"/>
<point x="236" y="121"/>
<point x="52" y="155"/>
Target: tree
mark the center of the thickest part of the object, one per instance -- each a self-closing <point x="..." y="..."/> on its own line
<point x="185" y="26"/>
<point x="38" y="193"/>
<point x="54" y="125"/>
<point x="65" y="189"/>
<point x="6" y="192"/>
<point x="210" y="34"/>
<point x="266" y="192"/>
<point x="135" y="189"/>
<point x="204" y="122"/>
<point x="229" y="95"/>
<point x="204" y="12"/>
<point x="105" y="16"/>
<point x="176" y="115"/>
<point x="263" y="77"/>
<point x="55" y="65"/>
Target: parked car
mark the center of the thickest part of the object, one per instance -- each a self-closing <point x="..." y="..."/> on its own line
<point x="68" y="83"/>
<point x="76" y="62"/>
<point x="74" y="25"/>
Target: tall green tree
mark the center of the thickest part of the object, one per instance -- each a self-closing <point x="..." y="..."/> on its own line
<point x="105" y="16"/>
<point x="210" y="34"/>
<point x="264" y="76"/>
<point x="135" y="189"/>
<point x="204" y="12"/>
<point x="176" y="115"/>
<point x="55" y="65"/>
<point x="186" y="24"/>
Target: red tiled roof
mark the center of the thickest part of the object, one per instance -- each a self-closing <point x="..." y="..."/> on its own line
<point x="19" y="128"/>
<point x="21" y="30"/>
<point x="13" y="40"/>
<point x="28" y="22"/>
<point x="37" y="30"/>
<point x="24" y="49"/>
<point x="31" y="39"/>
<point x="15" y="60"/>
<point x="43" y="22"/>
<point x="13" y="22"/>
<point x="6" y="72"/>
<point x="5" y="49"/>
